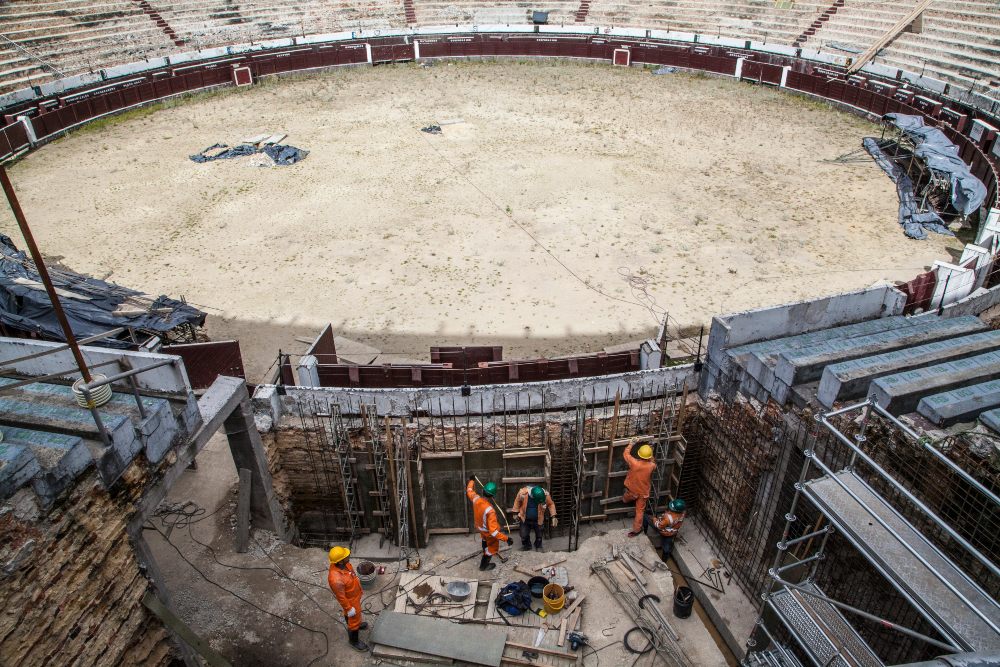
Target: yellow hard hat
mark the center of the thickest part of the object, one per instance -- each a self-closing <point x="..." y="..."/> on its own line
<point x="338" y="554"/>
<point x="645" y="452"/>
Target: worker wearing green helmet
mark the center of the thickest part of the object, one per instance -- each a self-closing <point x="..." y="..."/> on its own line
<point x="486" y="521"/>
<point x="530" y="505"/>
<point x="669" y="524"/>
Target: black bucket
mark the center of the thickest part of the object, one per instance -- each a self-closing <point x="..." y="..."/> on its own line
<point x="683" y="601"/>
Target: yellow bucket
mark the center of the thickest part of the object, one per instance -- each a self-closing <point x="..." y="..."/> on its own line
<point x="553" y="598"/>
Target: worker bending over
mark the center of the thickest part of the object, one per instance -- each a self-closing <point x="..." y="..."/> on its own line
<point x="347" y="587"/>
<point x="637" y="482"/>
<point x="486" y="521"/>
<point x="530" y="505"/>
<point x="669" y="524"/>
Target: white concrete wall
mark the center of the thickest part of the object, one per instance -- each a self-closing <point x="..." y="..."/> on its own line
<point x="483" y="399"/>
<point x="166" y="379"/>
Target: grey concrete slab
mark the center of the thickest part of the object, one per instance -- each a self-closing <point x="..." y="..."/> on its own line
<point x="436" y="636"/>
<point x="850" y="379"/>
<point x="963" y="404"/>
<point x="759" y="359"/>
<point x="991" y="419"/>
<point x="806" y="364"/>
<point x="896" y="552"/>
<point x="901" y="392"/>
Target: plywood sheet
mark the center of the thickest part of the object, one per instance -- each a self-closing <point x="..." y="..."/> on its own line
<point x="436" y="636"/>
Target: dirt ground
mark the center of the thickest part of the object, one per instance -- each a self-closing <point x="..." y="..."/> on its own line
<point x="570" y="206"/>
<point x="281" y="584"/>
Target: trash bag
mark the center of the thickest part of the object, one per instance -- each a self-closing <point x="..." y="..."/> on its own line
<point x="514" y="598"/>
<point x="281" y="155"/>
<point x="431" y="129"/>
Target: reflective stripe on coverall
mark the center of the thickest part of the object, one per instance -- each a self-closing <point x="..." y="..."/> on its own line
<point x="347" y="588"/>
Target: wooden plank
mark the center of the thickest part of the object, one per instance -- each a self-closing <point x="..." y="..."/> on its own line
<point x="611" y="449"/>
<point x="562" y="631"/>
<point x="389" y="653"/>
<point x="576" y="603"/>
<point x="440" y="455"/>
<point x="561" y="559"/>
<point x="607" y="501"/>
<point x="625" y="571"/>
<point x="542" y="649"/>
<point x="523" y="480"/>
<point x="524" y="571"/>
<point x="177" y="626"/>
<point x="436" y="636"/>
<point x="447" y="531"/>
<point x="620" y="510"/>
<point x="243" y="512"/>
<point x="520" y="454"/>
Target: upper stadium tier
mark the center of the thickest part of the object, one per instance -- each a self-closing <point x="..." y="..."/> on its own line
<point x="953" y="41"/>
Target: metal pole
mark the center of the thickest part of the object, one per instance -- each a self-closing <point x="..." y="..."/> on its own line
<point x="43" y="273"/>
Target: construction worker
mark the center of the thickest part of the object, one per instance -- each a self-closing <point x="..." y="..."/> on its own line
<point x="637" y="482"/>
<point x="530" y="504"/>
<point x="669" y="524"/>
<point x="486" y="521"/>
<point x="347" y="588"/>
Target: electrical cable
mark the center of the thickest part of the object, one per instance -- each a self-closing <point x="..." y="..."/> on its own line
<point x="326" y="638"/>
<point x="647" y="633"/>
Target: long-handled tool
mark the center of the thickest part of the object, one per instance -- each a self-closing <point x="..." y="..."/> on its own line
<point x="503" y="559"/>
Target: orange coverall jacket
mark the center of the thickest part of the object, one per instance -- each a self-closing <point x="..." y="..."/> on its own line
<point x="521" y="505"/>
<point x="640" y="473"/>
<point x="347" y="588"/>
<point x="486" y="520"/>
<point x="669" y="523"/>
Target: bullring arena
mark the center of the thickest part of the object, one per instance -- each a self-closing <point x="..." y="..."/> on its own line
<point x="517" y="243"/>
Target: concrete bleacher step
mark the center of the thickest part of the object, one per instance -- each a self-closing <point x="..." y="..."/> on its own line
<point x="901" y="392"/>
<point x="851" y="379"/>
<point x="759" y="358"/>
<point x="158" y="430"/>
<point x="930" y="587"/>
<point x="806" y="364"/>
<point x="960" y="405"/>
<point x="991" y="420"/>
<point x="59" y="459"/>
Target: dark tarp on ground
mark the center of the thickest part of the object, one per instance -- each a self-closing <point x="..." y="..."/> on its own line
<point x="281" y="154"/>
<point x="913" y="221"/>
<point x="938" y="152"/>
<point x="25" y="306"/>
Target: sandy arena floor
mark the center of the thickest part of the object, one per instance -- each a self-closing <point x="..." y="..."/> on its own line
<point x="720" y="195"/>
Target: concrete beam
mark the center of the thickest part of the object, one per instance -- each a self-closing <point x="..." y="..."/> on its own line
<point x="807" y="364"/>
<point x="851" y="379"/>
<point x="959" y="405"/>
<point x="901" y="392"/>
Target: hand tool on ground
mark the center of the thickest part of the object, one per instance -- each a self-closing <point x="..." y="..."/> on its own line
<point x="576" y="640"/>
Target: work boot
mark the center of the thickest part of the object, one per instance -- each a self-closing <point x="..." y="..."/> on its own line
<point x="525" y="547"/>
<point x="632" y="533"/>
<point x="363" y="626"/>
<point x="485" y="564"/>
<point x="538" y="546"/>
<point x="355" y="642"/>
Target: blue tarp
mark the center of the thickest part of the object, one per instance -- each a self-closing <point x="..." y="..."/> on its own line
<point x="938" y="152"/>
<point x="92" y="306"/>
<point x="282" y="155"/>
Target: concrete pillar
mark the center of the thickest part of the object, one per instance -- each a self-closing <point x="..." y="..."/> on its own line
<point x="416" y="50"/>
<point x="739" y="67"/>
<point x="784" y="75"/>
<point x="248" y="452"/>
<point x="308" y="371"/>
<point x="368" y="52"/>
<point x="991" y="227"/>
<point x="650" y="355"/>
<point x="29" y="128"/>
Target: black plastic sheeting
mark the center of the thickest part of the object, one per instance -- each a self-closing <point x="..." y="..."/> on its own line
<point x="282" y="155"/>
<point x="92" y="306"/>
<point x="915" y="224"/>
<point x="938" y="152"/>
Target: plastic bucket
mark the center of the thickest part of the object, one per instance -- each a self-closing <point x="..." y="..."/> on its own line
<point x="366" y="572"/>
<point x="553" y="598"/>
<point x="683" y="601"/>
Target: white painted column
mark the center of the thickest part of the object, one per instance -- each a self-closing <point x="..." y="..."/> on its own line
<point x="958" y="281"/>
<point x="308" y="371"/>
<point x="416" y="50"/>
<point x="991" y="227"/>
<point x="982" y="267"/>
<point x="368" y="52"/>
<point x="739" y="68"/>
<point x="29" y="129"/>
<point x="784" y="75"/>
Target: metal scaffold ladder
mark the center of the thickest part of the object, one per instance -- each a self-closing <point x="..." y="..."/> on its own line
<point x="669" y="454"/>
<point x="579" y="472"/>
<point x="341" y="446"/>
<point x="375" y="439"/>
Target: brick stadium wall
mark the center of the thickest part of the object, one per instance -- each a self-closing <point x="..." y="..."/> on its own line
<point x="71" y="586"/>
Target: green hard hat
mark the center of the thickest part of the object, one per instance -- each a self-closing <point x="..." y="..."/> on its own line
<point x="677" y="505"/>
<point x="538" y="494"/>
<point x="490" y="488"/>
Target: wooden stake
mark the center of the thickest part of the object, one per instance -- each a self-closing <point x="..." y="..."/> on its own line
<point x="546" y="651"/>
<point x="555" y="562"/>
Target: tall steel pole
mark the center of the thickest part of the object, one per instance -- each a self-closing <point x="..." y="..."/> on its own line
<point x="43" y="273"/>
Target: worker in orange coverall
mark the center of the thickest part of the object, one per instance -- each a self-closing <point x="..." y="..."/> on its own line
<point x="638" y="481"/>
<point x="347" y="587"/>
<point x="486" y="521"/>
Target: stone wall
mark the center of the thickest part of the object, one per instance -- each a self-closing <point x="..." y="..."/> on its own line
<point x="70" y="586"/>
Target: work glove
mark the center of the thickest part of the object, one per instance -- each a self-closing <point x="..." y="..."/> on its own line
<point x="555" y="522"/>
<point x="352" y="612"/>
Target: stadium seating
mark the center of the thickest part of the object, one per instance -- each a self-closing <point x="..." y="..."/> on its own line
<point x="40" y="41"/>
